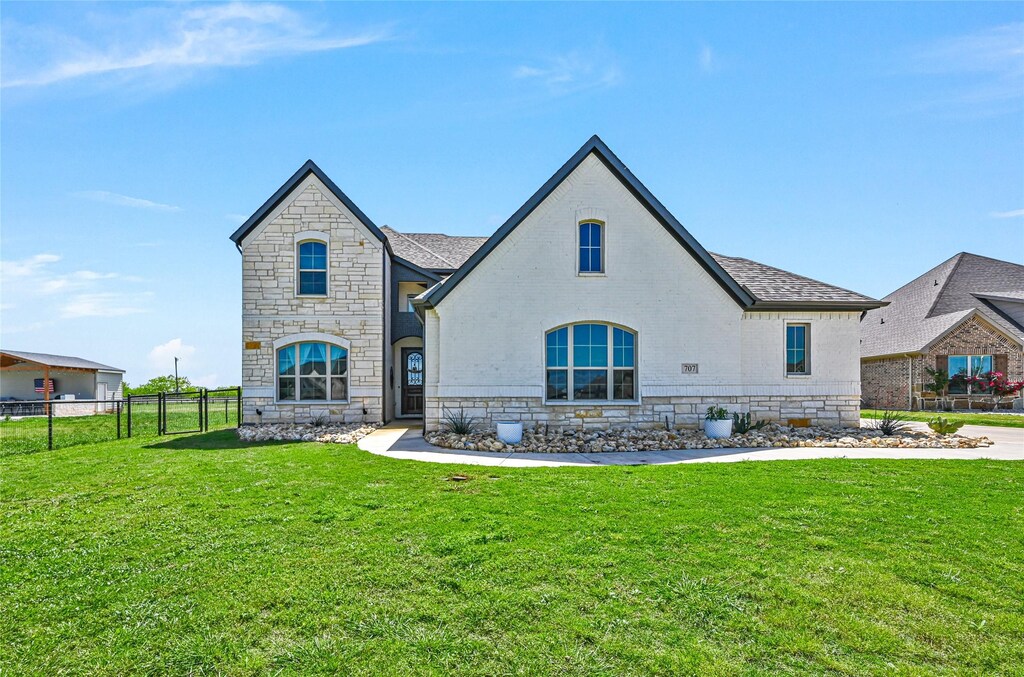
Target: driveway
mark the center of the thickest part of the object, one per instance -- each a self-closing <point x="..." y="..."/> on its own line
<point x="398" y="441"/>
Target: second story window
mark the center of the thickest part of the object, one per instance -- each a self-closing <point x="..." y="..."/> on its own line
<point x="312" y="269"/>
<point x="591" y="247"/>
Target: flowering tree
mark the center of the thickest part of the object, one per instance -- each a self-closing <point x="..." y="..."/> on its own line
<point x="995" y="384"/>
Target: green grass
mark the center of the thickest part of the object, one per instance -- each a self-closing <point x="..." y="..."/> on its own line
<point x="1002" y="420"/>
<point x="27" y="435"/>
<point x="196" y="555"/>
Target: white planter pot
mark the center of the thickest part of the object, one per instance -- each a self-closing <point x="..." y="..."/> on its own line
<point x="510" y="432"/>
<point x="718" y="429"/>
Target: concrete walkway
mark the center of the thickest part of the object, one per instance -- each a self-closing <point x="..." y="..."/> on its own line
<point x="405" y="442"/>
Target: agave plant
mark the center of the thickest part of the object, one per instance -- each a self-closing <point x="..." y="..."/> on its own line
<point x="459" y="422"/>
<point x="890" y="423"/>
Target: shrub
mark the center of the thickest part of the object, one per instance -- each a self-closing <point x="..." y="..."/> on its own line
<point x="716" y="414"/>
<point x="320" y="420"/>
<point x="741" y="423"/>
<point x="944" y="426"/>
<point x="890" y="423"/>
<point x="458" y="422"/>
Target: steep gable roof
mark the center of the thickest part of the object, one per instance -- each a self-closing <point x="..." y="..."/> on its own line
<point x="928" y="306"/>
<point x="298" y="177"/>
<point x="596" y="146"/>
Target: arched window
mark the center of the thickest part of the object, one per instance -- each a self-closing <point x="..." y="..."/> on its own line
<point x="312" y="268"/>
<point x="311" y="372"/>
<point x="591" y="246"/>
<point x="590" y="361"/>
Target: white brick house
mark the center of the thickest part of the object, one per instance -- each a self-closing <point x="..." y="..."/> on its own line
<point x="591" y="305"/>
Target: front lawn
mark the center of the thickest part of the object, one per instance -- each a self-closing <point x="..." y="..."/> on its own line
<point x="198" y="555"/>
<point x="1003" y="420"/>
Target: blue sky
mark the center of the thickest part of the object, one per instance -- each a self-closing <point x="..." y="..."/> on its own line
<point x="857" y="144"/>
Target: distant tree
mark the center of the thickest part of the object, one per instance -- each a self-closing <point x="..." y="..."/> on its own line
<point x="158" y="384"/>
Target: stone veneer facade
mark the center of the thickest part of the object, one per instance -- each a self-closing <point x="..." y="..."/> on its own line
<point x="896" y="381"/>
<point x="352" y="311"/>
<point x="652" y="412"/>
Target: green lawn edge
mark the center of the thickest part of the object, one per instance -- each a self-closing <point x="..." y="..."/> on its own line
<point x="1000" y="420"/>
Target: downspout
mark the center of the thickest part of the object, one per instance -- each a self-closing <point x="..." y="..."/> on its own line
<point x="910" y="382"/>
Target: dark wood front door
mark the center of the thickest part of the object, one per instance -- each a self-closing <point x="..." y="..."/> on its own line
<point x="412" y="381"/>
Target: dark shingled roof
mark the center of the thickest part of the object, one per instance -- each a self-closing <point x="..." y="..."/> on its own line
<point x="58" y="360"/>
<point x="433" y="251"/>
<point x="774" y="285"/>
<point x="927" y="307"/>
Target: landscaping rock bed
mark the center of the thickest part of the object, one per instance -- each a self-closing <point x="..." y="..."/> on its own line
<point x="304" y="432"/>
<point x="772" y="435"/>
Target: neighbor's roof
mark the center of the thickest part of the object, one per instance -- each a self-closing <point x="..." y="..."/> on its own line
<point x="433" y="251"/>
<point x="57" y="360"/>
<point x="927" y="307"/>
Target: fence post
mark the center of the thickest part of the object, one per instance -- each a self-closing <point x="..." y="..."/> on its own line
<point x="204" y="420"/>
<point x="238" y="419"/>
<point x="49" y="425"/>
<point x="160" y="411"/>
<point x="129" y="415"/>
<point x="117" y="405"/>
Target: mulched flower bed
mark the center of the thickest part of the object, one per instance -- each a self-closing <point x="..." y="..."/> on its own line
<point x="305" y="432"/>
<point x="772" y="435"/>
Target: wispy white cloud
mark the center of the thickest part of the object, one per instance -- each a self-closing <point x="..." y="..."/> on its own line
<point x="79" y="293"/>
<point x="103" y="304"/>
<point x="237" y="219"/>
<point x="983" y="69"/>
<point x="124" y="200"/>
<point x="178" y="38"/>
<point x="571" y="73"/>
<point x="1008" y="215"/>
<point x="706" y="60"/>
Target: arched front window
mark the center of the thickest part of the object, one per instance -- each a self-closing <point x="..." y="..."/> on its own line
<point x="590" y="361"/>
<point x="312" y="372"/>
<point x="312" y="268"/>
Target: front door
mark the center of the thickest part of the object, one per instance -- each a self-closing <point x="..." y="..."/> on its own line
<point x="412" y="381"/>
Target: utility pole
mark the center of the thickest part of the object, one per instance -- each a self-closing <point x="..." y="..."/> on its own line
<point x="176" y="389"/>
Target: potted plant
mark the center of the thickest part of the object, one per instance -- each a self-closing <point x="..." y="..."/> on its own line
<point x="717" y="423"/>
<point x="510" y="432"/>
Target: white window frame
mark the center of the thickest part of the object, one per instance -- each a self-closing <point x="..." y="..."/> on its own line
<point x="808" y="365"/>
<point x="610" y="368"/>
<point x="321" y="238"/>
<point x="327" y="339"/>
<point x="968" y="386"/>
<point x="604" y="248"/>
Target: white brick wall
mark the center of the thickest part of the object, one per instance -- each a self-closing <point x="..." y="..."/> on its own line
<point x="353" y="308"/>
<point x="485" y="341"/>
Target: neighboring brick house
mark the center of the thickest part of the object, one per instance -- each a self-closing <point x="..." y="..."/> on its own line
<point x="591" y="306"/>
<point x="965" y="316"/>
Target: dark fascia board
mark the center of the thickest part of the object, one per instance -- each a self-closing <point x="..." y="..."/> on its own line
<point x="405" y="263"/>
<point x="816" y="305"/>
<point x="597" y="146"/>
<point x="305" y="170"/>
<point x="1000" y="312"/>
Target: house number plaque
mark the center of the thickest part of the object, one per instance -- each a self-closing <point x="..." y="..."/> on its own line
<point x="691" y="368"/>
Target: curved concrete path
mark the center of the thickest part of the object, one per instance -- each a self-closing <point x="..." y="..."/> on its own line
<point x="406" y="442"/>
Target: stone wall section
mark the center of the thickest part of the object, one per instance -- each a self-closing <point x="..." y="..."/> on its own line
<point x="652" y="412"/>
<point x="353" y="308"/>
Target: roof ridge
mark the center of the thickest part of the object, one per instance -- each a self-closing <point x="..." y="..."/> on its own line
<point x="942" y="287"/>
<point x="414" y="242"/>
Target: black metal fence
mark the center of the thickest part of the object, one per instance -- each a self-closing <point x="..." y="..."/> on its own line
<point x="55" y="424"/>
